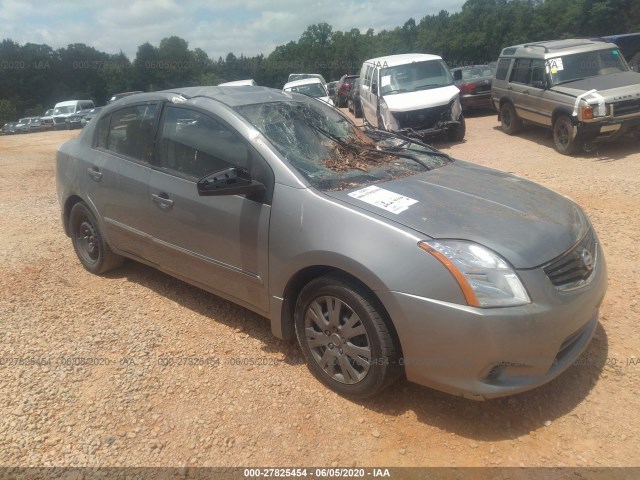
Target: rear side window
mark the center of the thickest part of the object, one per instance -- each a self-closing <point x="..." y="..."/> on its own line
<point x="367" y="75"/>
<point x="130" y="132"/>
<point x="521" y="71"/>
<point x="503" y="68"/>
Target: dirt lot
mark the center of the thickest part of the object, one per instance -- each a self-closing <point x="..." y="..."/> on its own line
<point x="132" y="410"/>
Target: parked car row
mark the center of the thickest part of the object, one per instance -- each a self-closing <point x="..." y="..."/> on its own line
<point x="67" y="115"/>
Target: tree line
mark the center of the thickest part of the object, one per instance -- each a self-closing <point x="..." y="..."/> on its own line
<point x="33" y="77"/>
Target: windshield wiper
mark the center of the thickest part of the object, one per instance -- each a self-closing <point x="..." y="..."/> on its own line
<point x="569" y="81"/>
<point x="426" y="87"/>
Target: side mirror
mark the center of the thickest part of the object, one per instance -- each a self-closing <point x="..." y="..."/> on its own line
<point x="230" y="181"/>
<point x="538" y="84"/>
<point x="374" y="88"/>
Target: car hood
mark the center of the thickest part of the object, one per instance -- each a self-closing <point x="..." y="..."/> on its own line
<point x="609" y="86"/>
<point x="526" y="223"/>
<point x="405" y="102"/>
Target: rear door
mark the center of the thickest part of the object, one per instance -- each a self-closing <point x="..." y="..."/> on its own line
<point x="219" y="242"/>
<point x="117" y="176"/>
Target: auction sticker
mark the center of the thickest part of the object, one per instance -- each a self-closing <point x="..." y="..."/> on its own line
<point x="379" y="197"/>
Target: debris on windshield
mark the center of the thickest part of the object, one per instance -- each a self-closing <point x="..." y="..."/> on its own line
<point x="354" y="155"/>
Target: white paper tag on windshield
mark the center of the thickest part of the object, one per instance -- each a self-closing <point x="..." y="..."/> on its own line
<point x="386" y="80"/>
<point x="379" y="197"/>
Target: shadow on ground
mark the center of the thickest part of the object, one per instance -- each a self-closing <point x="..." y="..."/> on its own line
<point x="504" y="418"/>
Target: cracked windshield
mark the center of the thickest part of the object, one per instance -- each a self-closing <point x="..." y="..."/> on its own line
<point x="331" y="152"/>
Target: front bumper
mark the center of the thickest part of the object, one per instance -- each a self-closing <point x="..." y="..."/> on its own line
<point x="608" y="129"/>
<point x="486" y="353"/>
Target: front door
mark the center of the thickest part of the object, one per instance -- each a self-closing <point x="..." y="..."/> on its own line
<point x="219" y="242"/>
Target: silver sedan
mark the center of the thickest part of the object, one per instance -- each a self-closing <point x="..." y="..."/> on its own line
<point x="382" y="255"/>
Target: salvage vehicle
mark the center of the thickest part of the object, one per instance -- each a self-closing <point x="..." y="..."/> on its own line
<point x="63" y="110"/>
<point x="474" y="83"/>
<point x="413" y="94"/>
<point x="382" y="255"/>
<point x="583" y="90"/>
<point x="312" y="87"/>
<point x="342" y="89"/>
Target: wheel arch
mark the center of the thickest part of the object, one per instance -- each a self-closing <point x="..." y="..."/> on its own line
<point x="560" y="111"/>
<point x="302" y="277"/>
<point x="66" y="211"/>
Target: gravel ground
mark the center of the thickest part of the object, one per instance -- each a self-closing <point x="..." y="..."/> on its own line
<point x="242" y="397"/>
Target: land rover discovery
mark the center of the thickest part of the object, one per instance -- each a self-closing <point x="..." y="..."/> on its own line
<point x="582" y="89"/>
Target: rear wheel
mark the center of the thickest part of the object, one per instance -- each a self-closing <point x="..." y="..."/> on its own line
<point x="345" y="338"/>
<point x="564" y="135"/>
<point x="91" y="248"/>
<point x="509" y="120"/>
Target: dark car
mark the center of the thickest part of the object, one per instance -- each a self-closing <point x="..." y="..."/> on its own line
<point x="9" y="128"/>
<point x="75" y="121"/>
<point x="353" y="99"/>
<point x="382" y="255"/>
<point x="629" y="44"/>
<point x="342" y="89"/>
<point x="89" y="116"/>
<point x="474" y="82"/>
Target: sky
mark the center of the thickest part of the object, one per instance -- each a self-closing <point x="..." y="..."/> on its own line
<point x="248" y="27"/>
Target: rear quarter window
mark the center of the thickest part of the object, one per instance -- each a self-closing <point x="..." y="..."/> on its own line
<point x="503" y="68"/>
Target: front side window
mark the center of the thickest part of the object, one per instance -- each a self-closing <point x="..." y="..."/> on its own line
<point x="130" y="132"/>
<point x="415" y="76"/>
<point x="194" y="145"/>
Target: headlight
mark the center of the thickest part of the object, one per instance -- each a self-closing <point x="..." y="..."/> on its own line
<point x="456" y="108"/>
<point x="389" y="122"/>
<point x="485" y="278"/>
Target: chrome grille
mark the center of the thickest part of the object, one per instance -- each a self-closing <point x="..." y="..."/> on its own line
<point x="574" y="268"/>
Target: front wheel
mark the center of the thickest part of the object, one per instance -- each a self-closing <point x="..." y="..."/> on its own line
<point x="91" y="248"/>
<point x="344" y="337"/>
<point x="564" y="135"/>
<point x="456" y="132"/>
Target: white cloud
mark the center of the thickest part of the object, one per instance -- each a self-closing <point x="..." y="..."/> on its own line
<point x="218" y="27"/>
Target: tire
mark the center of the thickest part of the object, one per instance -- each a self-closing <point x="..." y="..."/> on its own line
<point x="456" y="132"/>
<point x="509" y="120"/>
<point x="339" y="325"/>
<point x="357" y="110"/>
<point x="91" y="248"/>
<point x="565" y="140"/>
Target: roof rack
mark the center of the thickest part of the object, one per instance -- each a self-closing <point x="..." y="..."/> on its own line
<point x="546" y="50"/>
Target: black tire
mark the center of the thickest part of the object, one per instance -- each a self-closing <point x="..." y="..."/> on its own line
<point x="336" y="346"/>
<point x="357" y="110"/>
<point x="91" y="248"/>
<point x="509" y="120"/>
<point x="456" y="132"/>
<point x="565" y="139"/>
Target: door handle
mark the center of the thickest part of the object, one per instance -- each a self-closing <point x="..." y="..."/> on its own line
<point x="94" y="173"/>
<point x="162" y="200"/>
